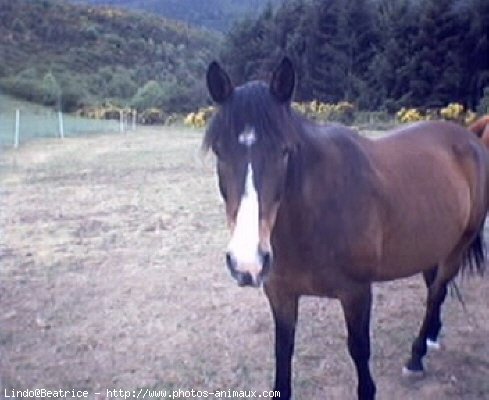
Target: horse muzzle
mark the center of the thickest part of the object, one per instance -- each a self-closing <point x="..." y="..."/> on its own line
<point x="250" y="273"/>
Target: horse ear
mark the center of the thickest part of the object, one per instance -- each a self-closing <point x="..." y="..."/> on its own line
<point x="283" y="81"/>
<point x="218" y="83"/>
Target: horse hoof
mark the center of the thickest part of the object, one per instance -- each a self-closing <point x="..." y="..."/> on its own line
<point x="412" y="374"/>
<point x="433" y="344"/>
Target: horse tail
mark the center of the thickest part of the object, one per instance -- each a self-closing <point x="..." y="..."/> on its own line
<point x="474" y="258"/>
<point x="481" y="129"/>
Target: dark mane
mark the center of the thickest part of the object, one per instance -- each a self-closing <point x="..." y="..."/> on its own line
<point x="253" y="105"/>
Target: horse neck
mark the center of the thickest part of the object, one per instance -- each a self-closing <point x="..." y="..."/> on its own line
<point x="327" y="166"/>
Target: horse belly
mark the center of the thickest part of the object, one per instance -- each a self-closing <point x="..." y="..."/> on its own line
<point x="425" y="231"/>
<point x="410" y="256"/>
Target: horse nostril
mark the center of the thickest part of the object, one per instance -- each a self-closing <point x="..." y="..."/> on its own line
<point x="230" y="262"/>
<point x="266" y="262"/>
<point x="244" y="279"/>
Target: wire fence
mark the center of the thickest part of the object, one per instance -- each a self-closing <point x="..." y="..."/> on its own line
<point x="22" y="121"/>
<point x="19" y="126"/>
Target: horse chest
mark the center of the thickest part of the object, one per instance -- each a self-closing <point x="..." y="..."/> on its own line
<point x="323" y="265"/>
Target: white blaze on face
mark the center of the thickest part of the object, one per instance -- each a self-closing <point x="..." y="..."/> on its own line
<point x="245" y="239"/>
<point x="248" y="137"/>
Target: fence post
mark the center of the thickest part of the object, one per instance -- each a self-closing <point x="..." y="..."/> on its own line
<point x="121" y="121"/>
<point x="61" y="126"/>
<point x="17" y="128"/>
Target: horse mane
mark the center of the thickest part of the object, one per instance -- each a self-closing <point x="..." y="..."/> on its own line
<point x="252" y="105"/>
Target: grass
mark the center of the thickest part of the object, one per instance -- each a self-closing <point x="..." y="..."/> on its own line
<point x="113" y="277"/>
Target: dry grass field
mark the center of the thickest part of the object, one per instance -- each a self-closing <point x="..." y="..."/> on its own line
<point x="112" y="276"/>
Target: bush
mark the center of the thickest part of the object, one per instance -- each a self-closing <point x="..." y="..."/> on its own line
<point x="73" y="95"/>
<point x="29" y="86"/>
<point x="51" y="90"/>
<point x="152" y="116"/>
<point x="106" y="111"/>
<point x="406" y="115"/>
<point x="343" y="111"/>
<point x="18" y="26"/>
<point x="182" y="97"/>
<point x="151" y="95"/>
<point x="170" y="96"/>
<point x="25" y="85"/>
<point x="453" y="112"/>
<point x="91" y="33"/>
<point x="456" y="112"/>
<point x="121" y="85"/>
<point x="200" y="118"/>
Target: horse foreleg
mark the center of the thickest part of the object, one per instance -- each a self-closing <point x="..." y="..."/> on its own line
<point x="356" y="307"/>
<point x="430" y="327"/>
<point x="285" y="310"/>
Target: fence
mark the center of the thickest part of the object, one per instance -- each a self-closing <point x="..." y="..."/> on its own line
<point x="19" y="126"/>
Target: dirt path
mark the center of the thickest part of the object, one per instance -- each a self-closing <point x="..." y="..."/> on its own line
<point x="111" y="277"/>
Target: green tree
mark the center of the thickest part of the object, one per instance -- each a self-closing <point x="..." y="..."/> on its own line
<point x="73" y="93"/>
<point x="248" y="47"/>
<point x="396" y="26"/>
<point x="436" y="68"/>
<point x="477" y="52"/>
<point x="121" y="85"/>
<point x="291" y="33"/>
<point x="342" y="47"/>
<point x="51" y="90"/>
<point x="150" y="95"/>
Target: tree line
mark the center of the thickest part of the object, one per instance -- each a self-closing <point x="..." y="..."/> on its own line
<point x="378" y="54"/>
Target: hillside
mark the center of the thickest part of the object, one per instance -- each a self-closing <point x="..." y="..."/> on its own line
<point x="213" y="14"/>
<point x="89" y="54"/>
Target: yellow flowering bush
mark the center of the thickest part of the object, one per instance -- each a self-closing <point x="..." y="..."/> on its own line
<point x="470" y="117"/>
<point x="342" y="111"/>
<point x="456" y="112"/>
<point x="108" y="111"/>
<point x="199" y="118"/>
<point x="189" y="119"/>
<point x="406" y="115"/>
<point x="452" y="112"/>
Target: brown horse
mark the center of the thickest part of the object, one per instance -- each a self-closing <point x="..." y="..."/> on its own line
<point x="320" y="210"/>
